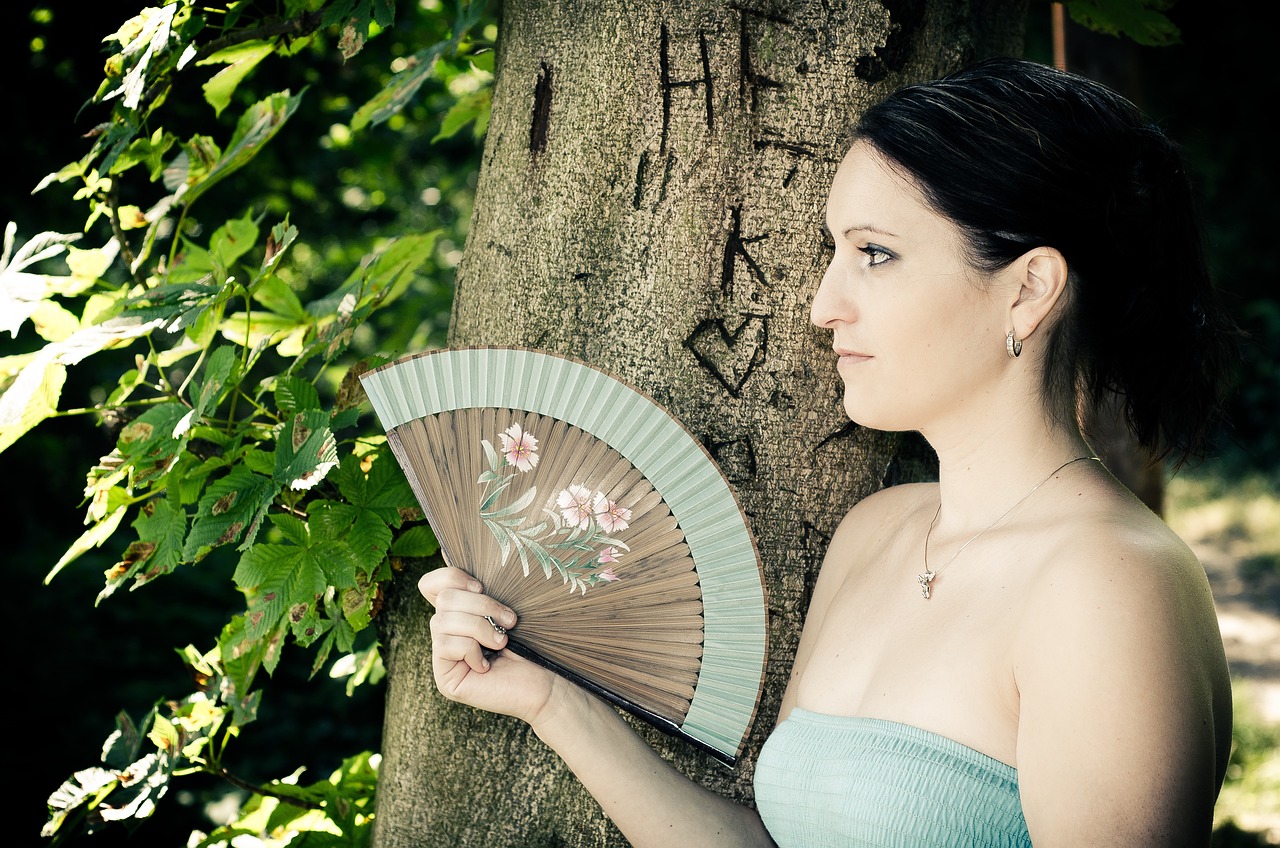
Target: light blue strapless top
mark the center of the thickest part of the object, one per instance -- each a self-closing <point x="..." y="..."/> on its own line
<point x="825" y="781"/>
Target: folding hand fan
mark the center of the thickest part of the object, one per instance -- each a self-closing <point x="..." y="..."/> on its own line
<point x="593" y="513"/>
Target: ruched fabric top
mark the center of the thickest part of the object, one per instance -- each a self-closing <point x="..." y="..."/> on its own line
<point x="825" y="781"/>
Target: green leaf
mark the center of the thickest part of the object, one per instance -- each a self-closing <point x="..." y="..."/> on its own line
<point x="176" y="305"/>
<point x="152" y="442"/>
<point x="396" y="94"/>
<point x="231" y="241"/>
<point x="256" y="127"/>
<point x="417" y="541"/>
<point x="240" y="60"/>
<point x="161" y="527"/>
<point x="231" y="507"/>
<point x="293" y="394"/>
<point x="384" y="490"/>
<point x="473" y="108"/>
<point x="207" y="392"/>
<point x="241" y="659"/>
<point x="280" y="581"/>
<point x="1143" y="21"/>
<point x="293" y="528"/>
<point x="279" y="240"/>
<point x="306" y="450"/>
<point x="359" y="540"/>
<point x="276" y="295"/>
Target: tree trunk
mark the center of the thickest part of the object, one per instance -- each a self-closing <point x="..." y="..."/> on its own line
<point x="651" y="201"/>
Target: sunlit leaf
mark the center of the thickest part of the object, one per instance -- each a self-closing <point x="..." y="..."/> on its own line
<point x="91" y="538"/>
<point x="141" y="38"/>
<point x="31" y="397"/>
<point x="240" y="60"/>
<point x="53" y="322"/>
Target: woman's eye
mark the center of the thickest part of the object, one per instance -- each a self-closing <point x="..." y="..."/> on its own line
<point x="876" y="255"/>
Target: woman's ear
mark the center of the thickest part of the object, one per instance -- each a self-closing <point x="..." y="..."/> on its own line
<point x="1041" y="277"/>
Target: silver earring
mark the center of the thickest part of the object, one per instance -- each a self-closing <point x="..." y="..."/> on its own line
<point x="1013" y="346"/>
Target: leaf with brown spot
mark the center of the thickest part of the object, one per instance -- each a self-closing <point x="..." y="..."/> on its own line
<point x="136" y="431"/>
<point x="232" y="531"/>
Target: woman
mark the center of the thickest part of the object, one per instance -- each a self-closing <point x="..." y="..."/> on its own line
<point x="1022" y="652"/>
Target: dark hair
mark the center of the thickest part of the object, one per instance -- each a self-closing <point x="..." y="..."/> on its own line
<point x="1021" y="155"/>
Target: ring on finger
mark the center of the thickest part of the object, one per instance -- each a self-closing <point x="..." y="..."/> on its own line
<point x="498" y="628"/>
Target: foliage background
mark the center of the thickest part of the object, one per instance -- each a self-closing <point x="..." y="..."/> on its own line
<point x="76" y="664"/>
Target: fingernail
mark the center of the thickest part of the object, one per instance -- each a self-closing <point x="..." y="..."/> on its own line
<point x="508" y="618"/>
<point x="474" y="586"/>
<point x="484" y="664"/>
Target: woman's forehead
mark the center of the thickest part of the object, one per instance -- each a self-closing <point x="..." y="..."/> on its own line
<point x="870" y="193"/>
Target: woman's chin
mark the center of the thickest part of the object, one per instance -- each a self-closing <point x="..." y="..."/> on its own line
<point x="865" y="415"/>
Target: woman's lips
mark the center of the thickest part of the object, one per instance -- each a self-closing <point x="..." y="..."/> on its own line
<point x="850" y="357"/>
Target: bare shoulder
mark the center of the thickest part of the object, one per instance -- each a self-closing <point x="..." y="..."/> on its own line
<point x="888" y="507"/>
<point x="1119" y="558"/>
<point x="1116" y="578"/>
<point x="872" y="524"/>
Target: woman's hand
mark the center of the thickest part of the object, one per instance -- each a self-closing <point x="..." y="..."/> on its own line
<point x="461" y="633"/>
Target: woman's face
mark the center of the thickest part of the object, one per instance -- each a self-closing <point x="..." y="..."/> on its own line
<point x="919" y="333"/>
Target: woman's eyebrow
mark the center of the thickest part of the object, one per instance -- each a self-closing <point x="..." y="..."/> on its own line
<point x="867" y="228"/>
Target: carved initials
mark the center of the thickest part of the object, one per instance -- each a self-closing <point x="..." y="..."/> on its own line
<point x="790" y="148"/>
<point x="749" y="81"/>
<point x="643" y="167"/>
<point x="668" y="85"/>
<point x="734" y="247"/>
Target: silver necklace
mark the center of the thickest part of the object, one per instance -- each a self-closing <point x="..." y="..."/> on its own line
<point x="926" y="580"/>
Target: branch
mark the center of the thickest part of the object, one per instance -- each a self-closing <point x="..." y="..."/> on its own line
<point x="265" y="792"/>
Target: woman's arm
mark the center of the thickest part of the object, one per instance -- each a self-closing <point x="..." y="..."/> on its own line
<point x="649" y="800"/>
<point x="1124" y="696"/>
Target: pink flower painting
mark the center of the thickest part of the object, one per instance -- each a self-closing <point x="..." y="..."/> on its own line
<point x="575" y="504"/>
<point x="577" y="542"/>
<point x="519" y="448"/>
<point x="611" y="517"/>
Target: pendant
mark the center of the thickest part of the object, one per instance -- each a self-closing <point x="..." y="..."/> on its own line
<point x="924" y="580"/>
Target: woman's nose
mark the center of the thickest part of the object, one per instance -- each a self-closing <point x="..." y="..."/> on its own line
<point x="829" y="303"/>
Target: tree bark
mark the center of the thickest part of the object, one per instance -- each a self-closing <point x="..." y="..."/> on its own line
<point x="651" y="201"/>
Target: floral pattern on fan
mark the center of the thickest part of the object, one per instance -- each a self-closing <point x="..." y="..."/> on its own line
<point x="574" y="539"/>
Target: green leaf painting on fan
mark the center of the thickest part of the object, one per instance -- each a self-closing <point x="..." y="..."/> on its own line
<point x="574" y="542"/>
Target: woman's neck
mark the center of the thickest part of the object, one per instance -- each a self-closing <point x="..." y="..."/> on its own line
<point x="984" y="475"/>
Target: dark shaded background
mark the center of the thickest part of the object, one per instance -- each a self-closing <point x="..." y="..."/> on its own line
<point x="76" y="664"/>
